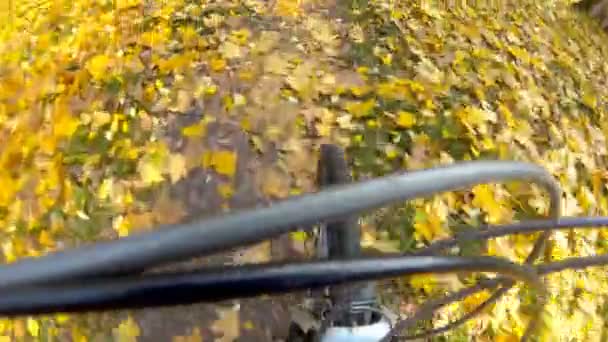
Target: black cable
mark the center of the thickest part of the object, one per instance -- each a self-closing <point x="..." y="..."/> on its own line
<point x="526" y="227"/>
<point x="177" y="242"/>
<point x="428" y="309"/>
<point x="543" y="269"/>
<point x="488" y="232"/>
<point x="238" y="282"/>
<point x="573" y="263"/>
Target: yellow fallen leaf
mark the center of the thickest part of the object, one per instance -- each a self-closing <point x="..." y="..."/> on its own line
<point x="183" y="101"/>
<point x="33" y="327"/>
<point x="218" y="64"/>
<point x="196" y="130"/>
<point x="225" y="190"/>
<point x="405" y="119"/>
<point x="486" y="200"/>
<point x="223" y="162"/>
<point x="267" y="41"/>
<point x="194" y="337"/>
<point x="64" y="123"/>
<point x="149" y="171"/>
<point x="230" y="50"/>
<point x="45" y="239"/>
<point x="121" y="225"/>
<point x="360" y="109"/>
<point x="506" y="338"/>
<point x="98" y="66"/>
<point x="248" y="325"/>
<point x="240" y="36"/>
<point x="301" y="80"/>
<point x="123" y="4"/>
<point x="299" y="236"/>
<point x="424" y="282"/>
<point x="176" y="167"/>
<point x="227" y="324"/>
<point x="127" y="331"/>
<point x="100" y="118"/>
<point x="429" y="225"/>
<point x="287" y="8"/>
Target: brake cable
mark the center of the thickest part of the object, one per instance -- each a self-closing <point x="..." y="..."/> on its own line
<point x="488" y="232"/>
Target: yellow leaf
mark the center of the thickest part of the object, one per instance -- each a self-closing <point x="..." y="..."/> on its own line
<point x="45" y="239"/>
<point x="268" y="40"/>
<point x="287" y="8"/>
<point x="425" y="282"/>
<point x="230" y="50"/>
<point x="405" y="119"/>
<point x="98" y="67"/>
<point x="299" y="236"/>
<point x="486" y="200"/>
<point x="177" y="167"/>
<point x="360" y="109"/>
<point x="301" y="80"/>
<point x="224" y="162"/>
<point x="33" y="327"/>
<point x="127" y="331"/>
<point x="248" y="325"/>
<point x="150" y="171"/>
<point x="589" y="99"/>
<point x="430" y="227"/>
<point x="506" y="338"/>
<point x="100" y="118"/>
<point x="183" y="101"/>
<point x="64" y="124"/>
<point x="225" y="190"/>
<point x="218" y="64"/>
<point x="276" y="64"/>
<point x="104" y="191"/>
<point x="121" y="225"/>
<point x="390" y="151"/>
<point x="227" y="325"/>
<point x="322" y="31"/>
<point x="196" y="130"/>
<point x="194" y="337"/>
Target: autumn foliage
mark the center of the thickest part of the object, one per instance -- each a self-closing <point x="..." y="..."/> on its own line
<point x="106" y="106"/>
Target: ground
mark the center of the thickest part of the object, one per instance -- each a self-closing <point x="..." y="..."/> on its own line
<point x="119" y="116"/>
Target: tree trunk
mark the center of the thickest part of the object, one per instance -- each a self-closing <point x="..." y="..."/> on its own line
<point x="597" y="9"/>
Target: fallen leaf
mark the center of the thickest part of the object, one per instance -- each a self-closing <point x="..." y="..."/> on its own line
<point x="405" y="119"/>
<point x="227" y="325"/>
<point x="98" y="66"/>
<point x="223" y="162"/>
<point x="255" y="254"/>
<point x="128" y="331"/>
<point x="267" y="41"/>
<point x="177" y="167"/>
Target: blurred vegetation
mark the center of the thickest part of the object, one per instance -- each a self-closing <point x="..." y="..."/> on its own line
<point x="104" y="105"/>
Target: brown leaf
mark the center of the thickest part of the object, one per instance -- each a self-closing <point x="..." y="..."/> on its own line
<point x="256" y="254"/>
<point x="168" y="210"/>
<point x="227" y="325"/>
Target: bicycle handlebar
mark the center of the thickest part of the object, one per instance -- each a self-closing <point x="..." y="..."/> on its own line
<point x="238" y="282"/>
<point x="138" y="252"/>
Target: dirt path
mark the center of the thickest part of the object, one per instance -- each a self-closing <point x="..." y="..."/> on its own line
<point x="259" y="319"/>
<point x="284" y="162"/>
